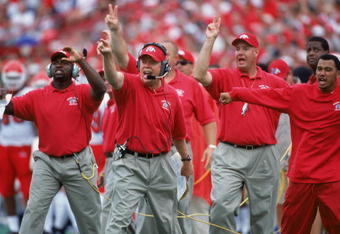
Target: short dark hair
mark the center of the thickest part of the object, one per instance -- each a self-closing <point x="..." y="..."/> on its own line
<point x="331" y="57"/>
<point x="323" y="41"/>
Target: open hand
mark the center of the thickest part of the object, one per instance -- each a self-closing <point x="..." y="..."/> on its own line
<point x="187" y="169"/>
<point x="75" y="56"/>
<point x="207" y="156"/>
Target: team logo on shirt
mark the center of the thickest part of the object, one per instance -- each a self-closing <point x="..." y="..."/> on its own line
<point x="263" y="86"/>
<point x="165" y="105"/>
<point x="72" y="101"/>
<point x="180" y="92"/>
<point x="112" y="109"/>
<point x="336" y="106"/>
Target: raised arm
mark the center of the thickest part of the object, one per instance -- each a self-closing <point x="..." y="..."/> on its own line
<point x="201" y="66"/>
<point x="97" y="84"/>
<point x="114" y="77"/>
<point x="278" y="98"/>
<point x="118" y="43"/>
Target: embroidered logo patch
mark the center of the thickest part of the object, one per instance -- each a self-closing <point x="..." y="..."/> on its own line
<point x="263" y="86"/>
<point x="243" y="36"/>
<point x="180" y="92"/>
<point x="72" y="101"/>
<point x="165" y="105"/>
<point x="150" y="49"/>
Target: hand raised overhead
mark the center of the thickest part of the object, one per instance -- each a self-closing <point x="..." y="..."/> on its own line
<point x="75" y="56"/>
<point x="111" y="19"/>
<point x="103" y="45"/>
<point x="213" y="28"/>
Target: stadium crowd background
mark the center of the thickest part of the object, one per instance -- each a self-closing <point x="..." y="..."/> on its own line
<point x="31" y="29"/>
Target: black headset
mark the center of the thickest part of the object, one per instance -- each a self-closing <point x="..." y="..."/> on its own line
<point x="75" y="70"/>
<point x="164" y="64"/>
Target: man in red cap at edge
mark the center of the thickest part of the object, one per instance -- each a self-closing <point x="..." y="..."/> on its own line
<point x="245" y="155"/>
<point x="314" y="176"/>
<point x="62" y="112"/>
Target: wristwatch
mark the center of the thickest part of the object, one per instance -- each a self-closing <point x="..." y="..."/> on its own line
<point x="187" y="158"/>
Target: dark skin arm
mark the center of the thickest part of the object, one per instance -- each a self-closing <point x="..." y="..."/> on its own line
<point x="97" y="84"/>
<point x="9" y="109"/>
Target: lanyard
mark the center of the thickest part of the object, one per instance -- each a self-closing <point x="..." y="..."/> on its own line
<point x="245" y="106"/>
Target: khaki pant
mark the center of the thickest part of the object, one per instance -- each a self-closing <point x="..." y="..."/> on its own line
<point x="145" y="225"/>
<point x="135" y="178"/>
<point x="49" y="174"/>
<point x="258" y="170"/>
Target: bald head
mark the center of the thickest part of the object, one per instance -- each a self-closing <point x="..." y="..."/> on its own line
<point x="172" y="50"/>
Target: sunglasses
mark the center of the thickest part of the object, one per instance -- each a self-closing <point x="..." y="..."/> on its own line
<point x="183" y="62"/>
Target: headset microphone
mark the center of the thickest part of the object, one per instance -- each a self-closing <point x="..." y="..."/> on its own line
<point x="151" y="77"/>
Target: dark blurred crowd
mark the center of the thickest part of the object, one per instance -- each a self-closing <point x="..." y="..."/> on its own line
<point x="31" y="29"/>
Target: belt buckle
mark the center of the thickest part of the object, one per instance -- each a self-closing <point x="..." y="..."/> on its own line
<point x="150" y="155"/>
<point x="249" y="147"/>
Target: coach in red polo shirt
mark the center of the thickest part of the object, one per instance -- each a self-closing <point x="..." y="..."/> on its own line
<point x="150" y="119"/>
<point x="245" y="154"/>
<point x="62" y="112"/>
<point x="314" y="110"/>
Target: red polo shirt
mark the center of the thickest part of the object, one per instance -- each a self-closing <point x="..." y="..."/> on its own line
<point x="258" y="125"/>
<point x="315" y="128"/>
<point x="195" y="103"/>
<point x="110" y="124"/>
<point x="63" y="117"/>
<point x="148" y="119"/>
<point x="131" y="66"/>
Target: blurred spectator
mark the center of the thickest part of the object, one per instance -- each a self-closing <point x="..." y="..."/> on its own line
<point x="282" y="26"/>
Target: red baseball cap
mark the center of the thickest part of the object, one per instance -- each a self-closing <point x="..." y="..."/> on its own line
<point x="154" y="52"/>
<point x="279" y="67"/>
<point x="186" y="55"/>
<point x="248" y="38"/>
<point x="59" y="54"/>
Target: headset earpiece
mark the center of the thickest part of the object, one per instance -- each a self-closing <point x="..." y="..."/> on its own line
<point x="48" y="70"/>
<point x="75" y="71"/>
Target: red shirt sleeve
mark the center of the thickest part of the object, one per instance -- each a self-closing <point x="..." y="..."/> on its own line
<point x="23" y="106"/>
<point x="219" y="83"/>
<point x="202" y="109"/>
<point x="131" y="66"/>
<point x="179" y="131"/>
<point x="84" y="93"/>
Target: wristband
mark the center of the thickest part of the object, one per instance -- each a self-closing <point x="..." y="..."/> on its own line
<point x="187" y="158"/>
<point x="212" y="146"/>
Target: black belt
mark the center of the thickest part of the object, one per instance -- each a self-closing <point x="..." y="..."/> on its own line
<point x="247" y="147"/>
<point x="143" y="155"/>
<point x="66" y="155"/>
<point x="108" y="154"/>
